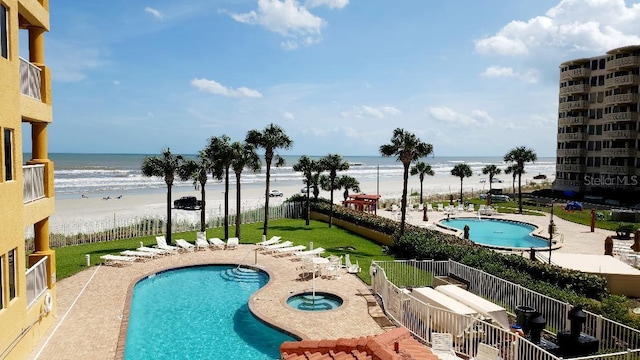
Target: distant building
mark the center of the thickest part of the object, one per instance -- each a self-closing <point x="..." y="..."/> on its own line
<point x="27" y="282"/>
<point x="598" y="126"/>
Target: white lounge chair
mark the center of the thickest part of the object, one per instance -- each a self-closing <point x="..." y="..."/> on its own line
<point x="442" y="346"/>
<point x="183" y="244"/>
<point x="139" y="254"/>
<point x="162" y="244"/>
<point x="309" y="253"/>
<point x="232" y="243"/>
<point x="201" y="241"/>
<point x="470" y="207"/>
<point x="117" y="260"/>
<point x="217" y="243"/>
<point x="273" y="240"/>
<point x="440" y="207"/>
<point x="155" y="250"/>
<point x="429" y="207"/>
<point x="289" y="250"/>
<point x="272" y="248"/>
<point x="460" y="208"/>
<point x="333" y="269"/>
<point x="351" y="268"/>
<point x="487" y="352"/>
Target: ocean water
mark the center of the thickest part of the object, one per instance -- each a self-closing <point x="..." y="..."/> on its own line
<point x="116" y="174"/>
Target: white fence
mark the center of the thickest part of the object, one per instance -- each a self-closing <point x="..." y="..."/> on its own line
<point x="616" y="341"/>
<point x="36" y="280"/>
<point x="30" y="79"/>
<point x="33" y="188"/>
<point x="109" y="229"/>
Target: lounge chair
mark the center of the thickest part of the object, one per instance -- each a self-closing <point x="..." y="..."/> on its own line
<point x="351" y="268"/>
<point x="487" y="352"/>
<point x="440" y="207"/>
<point x="232" y="243"/>
<point x="273" y="240"/>
<point x="155" y="250"/>
<point x="442" y="346"/>
<point x="184" y="245"/>
<point x="333" y="269"/>
<point x="429" y="207"/>
<point x="272" y="248"/>
<point x="460" y="208"/>
<point x="217" y="243"/>
<point x="309" y="253"/>
<point x="201" y="241"/>
<point x="162" y="244"/>
<point x="117" y="260"/>
<point x="139" y="254"/>
<point x="470" y="207"/>
<point x="420" y="207"/>
<point x="289" y="250"/>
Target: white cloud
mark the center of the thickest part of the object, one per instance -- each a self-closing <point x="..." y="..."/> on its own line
<point x="365" y="111"/>
<point x="156" y="14"/>
<point x="289" y="116"/>
<point x="572" y="25"/>
<point x="447" y="114"/>
<point x="70" y="62"/>
<point x="527" y="76"/>
<point x="290" y="19"/>
<point x="214" y="87"/>
<point x="332" y="4"/>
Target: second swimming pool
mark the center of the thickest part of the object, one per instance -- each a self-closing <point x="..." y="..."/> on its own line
<point x="498" y="233"/>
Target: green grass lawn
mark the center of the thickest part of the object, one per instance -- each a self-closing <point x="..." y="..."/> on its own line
<point x="336" y="241"/>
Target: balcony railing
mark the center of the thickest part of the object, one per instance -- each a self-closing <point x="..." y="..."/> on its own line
<point x="574" y="120"/>
<point x="621" y="99"/>
<point x="571" y="167"/>
<point x="617" y="169"/>
<point x="567" y="183"/>
<point x="33" y="188"/>
<point x="619" y="152"/>
<point x="575" y="73"/>
<point x="36" y="280"/>
<point x="619" y="134"/>
<point x="622" y="80"/>
<point x="574" y="89"/>
<point x="629" y="61"/>
<point x="621" y="116"/>
<point x="576" y="136"/>
<point x="572" y="152"/>
<point x="580" y="104"/>
<point x="30" y="79"/>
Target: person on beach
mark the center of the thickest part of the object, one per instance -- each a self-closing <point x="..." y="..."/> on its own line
<point x="84" y="196"/>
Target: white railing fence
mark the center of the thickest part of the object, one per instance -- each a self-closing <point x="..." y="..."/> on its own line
<point x="33" y="188"/>
<point x="36" y="280"/>
<point x="30" y="79"/>
<point x="616" y="341"/>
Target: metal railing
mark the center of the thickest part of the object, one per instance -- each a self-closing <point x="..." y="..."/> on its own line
<point x="30" y="79"/>
<point x="37" y="280"/>
<point x="33" y="187"/>
<point x="615" y="340"/>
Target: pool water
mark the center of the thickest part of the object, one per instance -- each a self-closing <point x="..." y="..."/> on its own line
<point x="320" y="301"/>
<point x="199" y="313"/>
<point x="498" y="233"/>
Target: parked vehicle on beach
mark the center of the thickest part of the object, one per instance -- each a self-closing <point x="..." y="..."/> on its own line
<point x="187" y="203"/>
<point x="275" y="193"/>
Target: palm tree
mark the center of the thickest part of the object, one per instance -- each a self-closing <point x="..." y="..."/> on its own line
<point x="520" y="155"/>
<point x="197" y="170"/>
<point x="421" y="169"/>
<point x="462" y="171"/>
<point x="333" y="163"/>
<point x="347" y="183"/>
<point x="408" y="148"/>
<point x="270" y="139"/>
<point x="306" y="166"/>
<point x="219" y="149"/>
<point x="492" y="171"/>
<point x="315" y="180"/>
<point x="164" y="166"/>
<point x="244" y="156"/>
<point x="512" y="169"/>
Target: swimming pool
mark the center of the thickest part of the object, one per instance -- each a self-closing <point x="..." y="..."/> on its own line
<point x="498" y="233"/>
<point x="199" y="313"/>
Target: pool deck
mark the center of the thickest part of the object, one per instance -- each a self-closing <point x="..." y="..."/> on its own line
<point x="92" y="305"/>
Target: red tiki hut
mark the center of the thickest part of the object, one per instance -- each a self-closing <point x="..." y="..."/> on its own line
<point x="363" y="202"/>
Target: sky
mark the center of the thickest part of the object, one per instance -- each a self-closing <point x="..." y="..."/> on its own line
<point x="469" y="77"/>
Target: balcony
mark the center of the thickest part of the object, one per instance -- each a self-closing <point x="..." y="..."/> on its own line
<point x="572" y="152"/>
<point x="566" y="183"/>
<point x="621" y="99"/>
<point x="574" y="89"/>
<point x="579" y="168"/>
<point x="617" y="169"/>
<point x="33" y="188"/>
<point x="571" y="105"/>
<point x="618" y="152"/>
<point x="619" y="134"/>
<point x="575" y="73"/>
<point x="621" y="116"/>
<point x="625" y="80"/>
<point x="36" y="281"/>
<point x="621" y="63"/>
<point x="576" y="136"/>
<point x="575" y="120"/>
<point x="30" y="80"/>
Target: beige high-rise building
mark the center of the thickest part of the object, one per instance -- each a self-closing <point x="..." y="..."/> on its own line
<point x="27" y="264"/>
<point x="598" y="126"/>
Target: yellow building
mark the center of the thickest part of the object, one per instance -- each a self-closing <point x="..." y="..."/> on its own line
<point x="27" y="268"/>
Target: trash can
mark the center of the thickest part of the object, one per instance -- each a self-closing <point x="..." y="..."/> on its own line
<point x="537" y="323"/>
<point x="523" y="313"/>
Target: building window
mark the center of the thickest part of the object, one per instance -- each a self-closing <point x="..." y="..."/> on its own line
<point x="8" y="154"/>
<point x="11" y="264"/>
<point x="4" y="39"/>
<point x="603" y="63"/>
